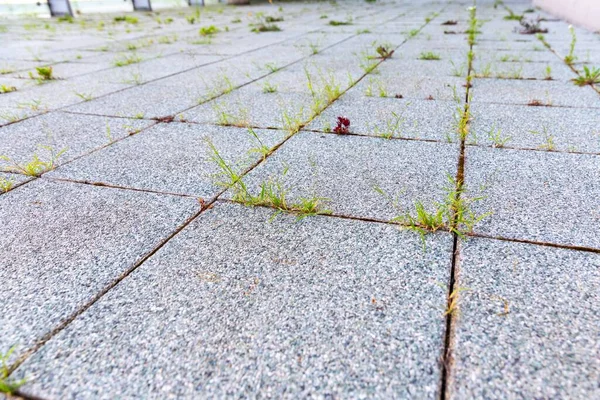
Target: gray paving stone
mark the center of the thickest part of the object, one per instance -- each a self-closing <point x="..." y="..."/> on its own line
<point x="59" y="93"/>
<point x="248" y="106"/>
<point x="570" y="129"/>
<point x="62" y="243"/>
<point x="73" y="133"/>
<point x="527" y="46"/>
<point x="154" y="69"/>
<point x="536" y="195"/>
<point x="456" y="67"/>
<point x="346" y="169"/>
<point x="67" y="69"/>
<point x="416" y="119"/>
<point x="148" y="101"/>
<point x="547" y="345"/>
<point x="410" y="87"/>
<point x="514" y="91"/>
<point x="320" y="308"/>
<point x="523" y="70"/>
<point x="172" y="158"/>
<point x="10" y="115"/>
<point x="525" y="56"/>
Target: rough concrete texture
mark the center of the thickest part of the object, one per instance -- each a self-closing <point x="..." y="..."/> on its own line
<point x="62" y="243"/>
<point x="527" y="324"/>
<point x="536" y="195"/>
<point x="350" y="171"/>
<point x="129" y="272"/>
<point x="283" y="310"/>
<point x="171" y="158"/>
<point x="73" y="134"/>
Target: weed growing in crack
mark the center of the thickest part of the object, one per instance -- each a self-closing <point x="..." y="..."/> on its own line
<point x="259" y="147"/>
<point x="512" y="16"/>
<point x="331" y="90"/>
<point x="271" y="67"/>
<point x="591" y="76"/>
<point x="570" y="58"/>
<point x="36" y="166"/>
<point x="381" y="89"/>
<point x="548" y="73"/>
<point x="413" y="33"/>
<point x="340" y="23"/>
<point x="393" y="127"/>
<point x="458" y="70"/>
<point x="210" y="31"/>
<point x="314" y="47"/>
<point x="7" y="89"/>
<point x="548" y="139"/>
<point x="485" y="72"/>
<point x="84" y="96"/>
<point x="221" y="85"/>
<point x="367" y="62"/>
<point x="292" y="122"/>
<point x="429" y="55"/>
<point x="272" y="193"/>
<point x="462" y="117"/>
<point x="496" y="137"/>
<point x="44" y="74"/>
<point x="126" y="18"/>
<point x="270" y="18"/>
<point x="512" y="73"/>
<point x="454" y="214"/>
<point x="127" y="59"/>
<point x="265" y="24"/>
<point x="226" y="118"/>
<point x="134" y="79"/>
<point x="384" y="52"/>
<point x="541" y="103"/>
<point x="267" y="87"/>
<point x="473" y="24"/>
<point x="11" y="116"/>
<point x="7" y="385"/>
<point x="5" y="185"/>
<point x="452" y="306"/>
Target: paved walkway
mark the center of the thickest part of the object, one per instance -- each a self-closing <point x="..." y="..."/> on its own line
<point x="186" y="216"/>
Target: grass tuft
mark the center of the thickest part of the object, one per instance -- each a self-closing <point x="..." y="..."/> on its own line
<point x="7" y="385"/>
<point x="591" y="76"/>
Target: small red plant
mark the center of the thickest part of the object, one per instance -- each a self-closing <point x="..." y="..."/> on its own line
<point x="342" y="126"/>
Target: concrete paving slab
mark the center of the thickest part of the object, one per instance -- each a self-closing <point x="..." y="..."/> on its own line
<point x="10" y="115"/>
<point x="144" y="101"/>
<point x="554" y="71"/>
<point x="566" y="129"/>
<point x="154" y="69"/>
<point x="536" y="195"/>
<point x="545" y="93"/>
<point x="284" y="310"/>
<point x="247" y="106"/>
<point x="415" y="119"/>
<point x="59" y="93"/>
<point x="171" y="158"/>
<point x="398" y="85"/>
<point x="346" y="170"/>
<point x="62" y="243"/>
<point x="527" y="326"/>
<point x="57" y="131"/>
